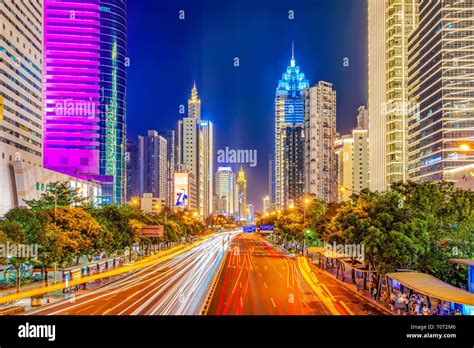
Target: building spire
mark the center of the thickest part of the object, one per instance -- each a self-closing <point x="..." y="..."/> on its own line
<point x="194" y="93"/>
<point x="293" y="53"/>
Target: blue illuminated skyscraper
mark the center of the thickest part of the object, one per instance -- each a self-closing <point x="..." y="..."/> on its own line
<point x="289" y="135"/>
<point x="113" y="62"/>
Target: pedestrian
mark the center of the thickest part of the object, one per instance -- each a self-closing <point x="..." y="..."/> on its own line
<point x="375" y="293"/>
<point x="357" y="285"/>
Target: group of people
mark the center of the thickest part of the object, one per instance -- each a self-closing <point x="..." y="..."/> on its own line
<point x="417" y="305"/>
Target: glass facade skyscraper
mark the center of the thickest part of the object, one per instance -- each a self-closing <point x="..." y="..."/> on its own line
<point x="113" y="77"/>
<point x="85" y="91"/>
<point x="289" y="135"/>
<point x="441" y="132"/>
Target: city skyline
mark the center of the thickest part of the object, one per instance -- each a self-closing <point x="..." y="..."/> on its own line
<point x="229" y="100"/>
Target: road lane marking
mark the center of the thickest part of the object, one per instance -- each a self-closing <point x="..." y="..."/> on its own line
<point x="265" y="285"/>
<point x="85" y="309"/>
<point x="346" y="307"/>
<point x="241" y="302"/>
<point x="260" y="274"/>
<point x="273" y="302"/>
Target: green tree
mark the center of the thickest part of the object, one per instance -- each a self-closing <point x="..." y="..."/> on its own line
<point x="57" y="194"/>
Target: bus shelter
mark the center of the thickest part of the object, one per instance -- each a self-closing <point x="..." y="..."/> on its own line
<point x="433" y="289"/>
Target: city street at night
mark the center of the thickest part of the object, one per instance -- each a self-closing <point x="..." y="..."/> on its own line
<point x="175" y="286"/>
<point x="260" y="279"/>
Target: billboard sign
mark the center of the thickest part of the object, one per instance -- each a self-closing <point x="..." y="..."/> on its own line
<point x="181" y="185"/>
<point x="151" y="231"/>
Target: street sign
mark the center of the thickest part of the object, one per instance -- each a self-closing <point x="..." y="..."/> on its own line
<point x="266" y="228"/>
<point x="153" y="231"/>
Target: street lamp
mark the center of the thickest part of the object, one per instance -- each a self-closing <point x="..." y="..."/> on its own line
<point x="464" y="147"/>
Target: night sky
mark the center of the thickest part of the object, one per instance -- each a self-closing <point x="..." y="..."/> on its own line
<point x="167" y="54"/>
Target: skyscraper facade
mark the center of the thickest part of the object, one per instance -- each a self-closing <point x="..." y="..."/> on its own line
<point x="441" y="132"/>
<point x="195" y="152"/>
<point x="225" y="190"/>
<point x="376" y="94"/>
<point x="242" y="194"/>
<point x="153" y="165"/>
<point x="21" y="88"/>
<point x="344" y="149"/>
<point x="289" y="135"/>
<point x="169" y="135"/>
<point x="390" y="24"/>
<point x="113" y="108"/>
<point x="131" y="159"/>
<point x="207" y="131"/>
<point x="402" y="18"/>
<point x="84" y="94"/>
<point x="320" y="136"/>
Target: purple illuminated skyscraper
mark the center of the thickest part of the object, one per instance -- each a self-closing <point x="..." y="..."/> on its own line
<point x="85" y="91"/>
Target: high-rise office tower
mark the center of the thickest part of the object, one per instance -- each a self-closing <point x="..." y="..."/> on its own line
<point x="195" y="152"/>
<point x="320" y="135"/>
<point x="207" y="131"/>
<point x="402" y="18"/>
<point x="169" y="135"/>
<point x="360" y="160"/>
<point x="242" y="197"/>
<point x="344" y="149"/>
<point x="153" y="165"/>
<point x="376" y="93"/>
<point x="21" y="87"/>
<point x="441" y="132"/>
<point x="289" y="135"/>
<point x="390" y="24"/>
<point x="265" y="204"/>
<point x="225" y="190"/>
<point x="113" y="81"/>
<point x="84" y="94"/>
<point x="271" y="180"/>
<point x="131" y="159"/>
<point x="352" y="163"/>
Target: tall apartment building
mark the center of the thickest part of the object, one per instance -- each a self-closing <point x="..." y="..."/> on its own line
<point x="289" y="135"/>
<point x="320" y="136"/>
<point x="169" y="135"/>
<point x="226" y="190"/>
<point x="195" y="152"/>
<point x="242" y="194"/>
<point x="390" y="24"/>
<point x="21" y="88"/>
<point x="440" y="69"/>
<point x="131" y="159"/>
<point x="352" y="163"/>
<point x="153" y="165"/>
<point x="207" y="130"/>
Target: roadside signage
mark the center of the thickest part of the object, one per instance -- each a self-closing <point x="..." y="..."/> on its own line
<point x="151" y="231"/>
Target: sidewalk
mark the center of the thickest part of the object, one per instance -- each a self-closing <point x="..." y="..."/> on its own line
<point x="59" y="295"/>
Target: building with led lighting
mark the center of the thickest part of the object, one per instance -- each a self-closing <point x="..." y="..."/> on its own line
<point x="196" y="152"/>
<point x="289" y="135"/>
<point x="153" y="165"/>
<point x="113" y="107"/>
<point x="266" y="204"/>
<point x="320" y="135"/>
<point x="21" y="88"/>
<point x="84" y="92"/>
<point x="225" y="191"/>
<point x="169" y="135"/>
<point x="242" y="194"/>
<point x="390" y="25"/>
<point x="207" y="130"/>
<point x="441" y="133"/>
